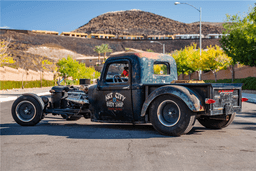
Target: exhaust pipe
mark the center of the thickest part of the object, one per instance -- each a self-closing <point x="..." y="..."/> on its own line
<point x="80" y="101"/>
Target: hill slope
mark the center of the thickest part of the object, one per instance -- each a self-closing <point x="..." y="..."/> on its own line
<point x="53" y="47"/>
<point x="136" y="22"/>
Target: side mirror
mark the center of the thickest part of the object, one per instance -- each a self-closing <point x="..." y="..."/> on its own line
<point x="98" y="84"/>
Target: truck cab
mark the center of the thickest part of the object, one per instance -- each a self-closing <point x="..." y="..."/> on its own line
<point x="120" y="98"/>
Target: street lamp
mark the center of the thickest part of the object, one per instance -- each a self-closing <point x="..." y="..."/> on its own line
<point x="159" y="43"/>
<point x="200" y="13"/>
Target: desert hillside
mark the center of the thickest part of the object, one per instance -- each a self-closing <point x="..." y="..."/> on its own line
<point x="26" y="45"/>
<point x="31" y="45"/>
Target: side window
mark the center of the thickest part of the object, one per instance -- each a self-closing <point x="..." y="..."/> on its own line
<point x="161" y="68"/>
<point x="117" y="73"/>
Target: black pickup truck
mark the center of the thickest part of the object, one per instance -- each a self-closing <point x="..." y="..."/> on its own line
<point x="149" y="93"/>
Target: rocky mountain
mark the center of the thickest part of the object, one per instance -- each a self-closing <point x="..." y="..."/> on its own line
<point x="137" y="22"/>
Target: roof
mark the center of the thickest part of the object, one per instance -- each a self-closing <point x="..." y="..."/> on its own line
<point x="44" y="31"/>
<point x="130" y="36"/>
<point x="145" y="63"/>
<point x="74" y="33"/>
<point x="97" y="34"/>
<point x="139" y="53"/>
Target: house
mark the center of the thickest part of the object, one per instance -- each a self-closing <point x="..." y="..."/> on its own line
<point x="73" y="34"/>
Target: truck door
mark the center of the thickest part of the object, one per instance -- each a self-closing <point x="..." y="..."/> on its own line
<point x="115" y="92"/>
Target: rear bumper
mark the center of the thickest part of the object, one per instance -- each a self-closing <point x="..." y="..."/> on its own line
<point x="222" y="110"/>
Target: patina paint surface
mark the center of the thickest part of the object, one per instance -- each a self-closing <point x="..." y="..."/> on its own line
<point x="147" y="61"/>
<point x="142" y="66"/>
<point x="187" y="95"/>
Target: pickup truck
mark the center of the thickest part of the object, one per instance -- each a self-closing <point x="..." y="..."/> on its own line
<point x="149" y="93"/>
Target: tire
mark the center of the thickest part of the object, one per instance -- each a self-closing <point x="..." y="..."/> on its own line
<point x="216" y="124"/>
<point x="171" y="116"/>
<point x="27" y="111"/>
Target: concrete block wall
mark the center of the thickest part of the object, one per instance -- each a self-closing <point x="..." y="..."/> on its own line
<point x="242" y="72"/>
<point x="11" y="74"/>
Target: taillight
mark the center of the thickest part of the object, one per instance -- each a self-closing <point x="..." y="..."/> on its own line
<point x="244" y="99"/>
<point x="210" y="101"/>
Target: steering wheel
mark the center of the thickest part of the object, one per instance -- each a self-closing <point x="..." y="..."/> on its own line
<point x="116" y="79"/>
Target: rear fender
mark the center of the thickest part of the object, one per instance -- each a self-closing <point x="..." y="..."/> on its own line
<point x="189" y="97"/>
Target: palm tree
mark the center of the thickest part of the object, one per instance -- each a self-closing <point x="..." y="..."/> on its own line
<point x="98" y="49"/>
<point x="105" y="49"/>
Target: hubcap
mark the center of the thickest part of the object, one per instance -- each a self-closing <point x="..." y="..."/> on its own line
<point x="25" y="111"/>
<point x="168" y="113"/>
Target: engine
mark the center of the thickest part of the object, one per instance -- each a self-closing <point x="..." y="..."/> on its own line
<point x="62" y="95"/>
<point x="69" y="100"/>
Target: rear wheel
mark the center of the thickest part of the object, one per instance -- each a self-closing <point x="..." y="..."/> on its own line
<point x="171" y="116"/>
<point x="207" y="122"/>
<point x="26" y="111"/>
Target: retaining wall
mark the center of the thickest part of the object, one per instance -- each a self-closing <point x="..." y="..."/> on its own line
<point x="242" y="72"/>
<point x="10" y="74"/>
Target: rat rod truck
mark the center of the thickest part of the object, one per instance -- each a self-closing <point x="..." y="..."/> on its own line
<point x="149" y="94"/>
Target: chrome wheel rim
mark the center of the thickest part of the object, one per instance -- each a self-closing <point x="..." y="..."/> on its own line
<point x="25" y="111"/>
<point x="168" y="113"/>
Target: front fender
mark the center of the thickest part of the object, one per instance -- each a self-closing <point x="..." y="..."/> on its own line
<point x="35" y="97"/>
<point x="189" y="97"/>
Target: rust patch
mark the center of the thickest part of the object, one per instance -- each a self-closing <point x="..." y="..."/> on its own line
<point x="149" y="55"/>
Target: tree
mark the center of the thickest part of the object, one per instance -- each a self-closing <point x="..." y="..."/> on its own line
<point x="215" y="59"/>
<point x="98" y="49"/>
<point x="188" y="60"/>
<point x="71" y="68"/>
<point x="5" y="56"/>
<point x="240" y="43"/>
<point x="42" y="64"/>
<point x="68" y="67"/>
<point x="105" y="50"/>
<point x="88" y="72"/>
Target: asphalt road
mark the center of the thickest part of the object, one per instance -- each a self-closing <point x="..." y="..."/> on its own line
<point x="56" y="144"/>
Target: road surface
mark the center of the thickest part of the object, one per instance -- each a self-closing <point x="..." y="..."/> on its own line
<point x="56" y="144"/>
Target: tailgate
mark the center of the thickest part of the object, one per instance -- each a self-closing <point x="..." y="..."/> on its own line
<point x="228" y="98"/>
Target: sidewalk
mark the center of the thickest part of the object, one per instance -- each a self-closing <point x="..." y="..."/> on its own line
<point x="251" y="97"/>
<point x="9" y="95"/>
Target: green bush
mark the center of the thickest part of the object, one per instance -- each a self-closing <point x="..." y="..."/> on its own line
<point x="249" y="83"/>
<point x="70" y="82"/>
<point x="27" y="84"/>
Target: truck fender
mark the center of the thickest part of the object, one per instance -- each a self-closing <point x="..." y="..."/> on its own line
<point x="39" y="99"/>
<point x="189" y="97"/>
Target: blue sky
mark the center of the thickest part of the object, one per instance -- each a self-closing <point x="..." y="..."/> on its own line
<point x="69" y="15"/>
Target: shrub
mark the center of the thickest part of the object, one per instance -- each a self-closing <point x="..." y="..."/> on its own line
<point x="27" y="84"/>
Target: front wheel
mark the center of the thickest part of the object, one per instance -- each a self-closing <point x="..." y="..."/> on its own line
<point x="26" y="111"/>
<point x="171" y="116"/>
<point x="207" y="122"/>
